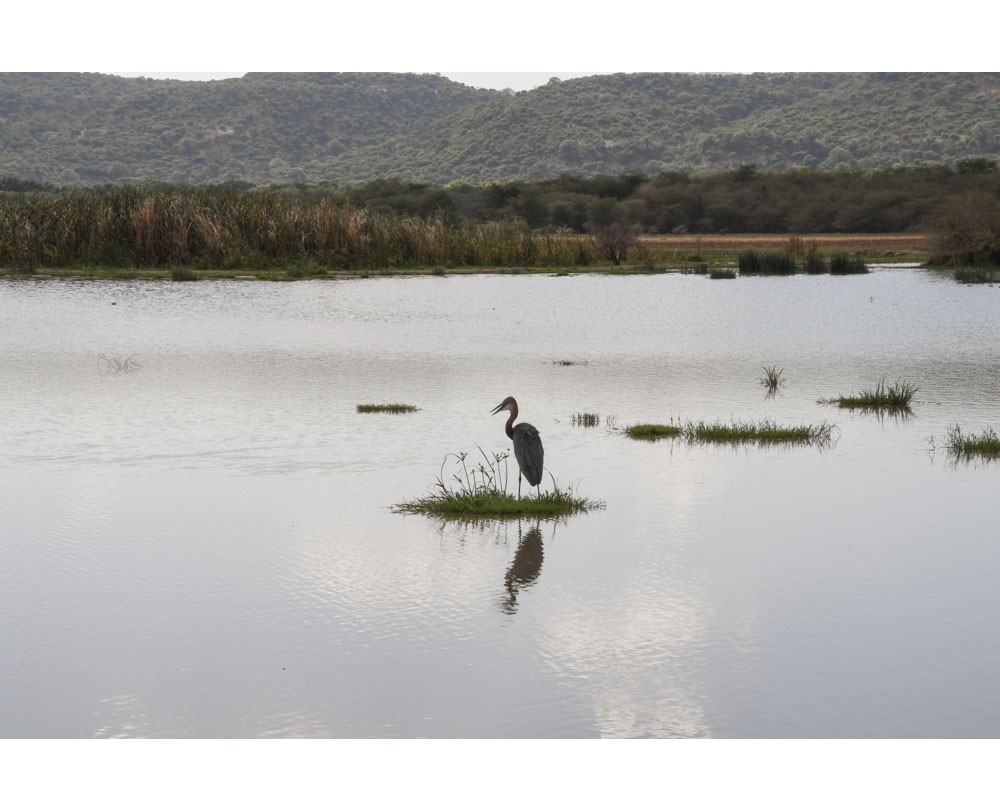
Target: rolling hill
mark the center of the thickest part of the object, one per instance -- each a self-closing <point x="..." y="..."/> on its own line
<point x="348" y="128"/>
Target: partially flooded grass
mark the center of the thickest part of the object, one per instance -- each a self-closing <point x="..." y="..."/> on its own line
<point x="765" y="432"/>
<point x="722" y="273"/>
<point x="587" y="420"/>
<point x="977" y="275"/>
<point x="967" y="446"/>
<point x="896" y="397"/>
<point x="477" y="490"/>
<point x="386" y="408"/>
<point x="652" y="431"/>
<point x="765" y="263"/>
<point x="843" y="264"/>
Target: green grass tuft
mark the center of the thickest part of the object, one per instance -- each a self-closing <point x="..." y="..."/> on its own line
<point x="966" y="446"/>
<point x="896" y="397"/>
<point x="772" y="377"/>
<point x="386" y="408"/>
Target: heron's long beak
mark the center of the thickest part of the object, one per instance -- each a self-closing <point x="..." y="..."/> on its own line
<point x="498" y="409"/>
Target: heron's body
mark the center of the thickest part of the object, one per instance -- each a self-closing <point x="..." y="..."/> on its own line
<point x="527" y="446"/>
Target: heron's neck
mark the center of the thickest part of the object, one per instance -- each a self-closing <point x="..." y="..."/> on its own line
<point x="510" y="424"/>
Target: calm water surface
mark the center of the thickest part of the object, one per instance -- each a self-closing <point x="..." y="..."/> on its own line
<point x="204" y="547"/>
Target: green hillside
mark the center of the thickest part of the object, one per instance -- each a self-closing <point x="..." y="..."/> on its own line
<point x="70" y="127"/>
<point x="346" y="129"/>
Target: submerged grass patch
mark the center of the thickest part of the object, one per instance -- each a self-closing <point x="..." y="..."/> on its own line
<point x="479" y="490"/>
<point x="966" y="446"/>
<point x="896" y="397"/>
<point x="118" y="365"/>
<point x="386" y="408"/>
<point x="587" y="420"/>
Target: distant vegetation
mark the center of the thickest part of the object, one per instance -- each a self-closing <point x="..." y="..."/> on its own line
<point x="345" y="129"/>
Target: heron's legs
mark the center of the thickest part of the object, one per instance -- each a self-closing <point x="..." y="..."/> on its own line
<point x="518" y="485"/>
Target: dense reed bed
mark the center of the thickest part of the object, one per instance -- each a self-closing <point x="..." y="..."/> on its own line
<point x="145" y="227"/>
<point x="768" y="263"/>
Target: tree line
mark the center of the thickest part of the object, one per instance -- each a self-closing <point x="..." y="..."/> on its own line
<point x="394" y="223"/>
<point x="743" y="200"/>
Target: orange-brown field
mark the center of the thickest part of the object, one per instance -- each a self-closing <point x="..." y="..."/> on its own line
<point x="715" y="244"/>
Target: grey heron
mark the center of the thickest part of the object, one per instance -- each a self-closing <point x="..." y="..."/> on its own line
<point x="527" y="446"/>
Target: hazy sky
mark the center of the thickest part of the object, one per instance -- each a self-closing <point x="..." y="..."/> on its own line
<point x="524" y="80"/>
<point x="512" y="39"/>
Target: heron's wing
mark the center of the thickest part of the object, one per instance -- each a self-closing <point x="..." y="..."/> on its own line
<point x="528" y="452"/>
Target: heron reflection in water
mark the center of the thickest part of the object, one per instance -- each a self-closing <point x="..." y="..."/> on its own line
<point x="526" y="567"/>
<point x="527" y="446"/>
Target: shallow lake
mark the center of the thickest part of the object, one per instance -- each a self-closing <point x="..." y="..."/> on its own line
<point x="200" y="543"/>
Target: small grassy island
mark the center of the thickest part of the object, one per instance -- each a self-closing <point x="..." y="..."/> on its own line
<point x="477" y="491"/>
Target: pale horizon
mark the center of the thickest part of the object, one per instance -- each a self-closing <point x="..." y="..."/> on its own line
<point x="511" y="80"/>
